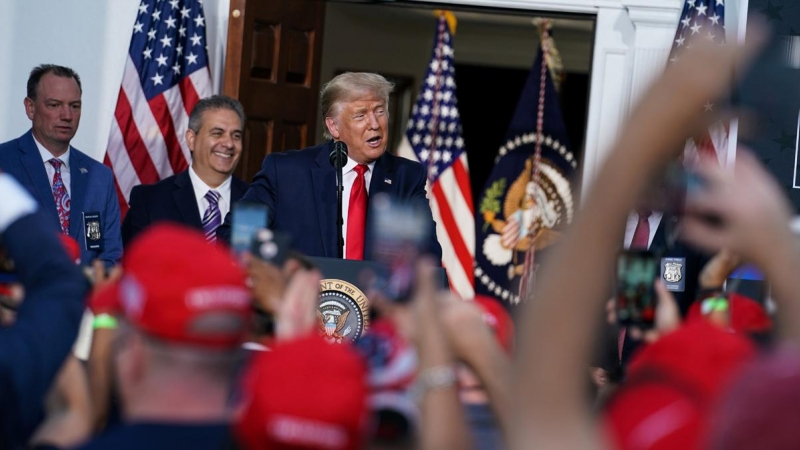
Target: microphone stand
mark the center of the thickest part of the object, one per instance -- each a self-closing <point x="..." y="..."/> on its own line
<point x="338" y="156"/>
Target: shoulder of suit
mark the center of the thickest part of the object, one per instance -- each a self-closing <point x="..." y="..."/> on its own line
<point x="309" y="153"/>
<point x="403" y="163"/>
<point x="88" y="163"/>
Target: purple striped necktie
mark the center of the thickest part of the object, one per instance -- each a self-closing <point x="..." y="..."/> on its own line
<point x="212" y="218"/>
<point x="61" y="196"/>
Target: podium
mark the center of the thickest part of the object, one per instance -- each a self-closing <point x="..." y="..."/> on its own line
<point x="344" y="308"/>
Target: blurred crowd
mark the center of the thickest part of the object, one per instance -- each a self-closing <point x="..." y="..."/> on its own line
<point x="193" y="346"/>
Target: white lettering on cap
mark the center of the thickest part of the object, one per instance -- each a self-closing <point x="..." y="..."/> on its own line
<point x="218" y="297"/>
<point x="312" y="433"/>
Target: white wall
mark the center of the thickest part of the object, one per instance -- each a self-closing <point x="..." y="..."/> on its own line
<point x="92" y="37"/>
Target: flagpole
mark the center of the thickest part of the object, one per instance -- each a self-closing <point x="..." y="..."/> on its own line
<point x="528" y="278"/>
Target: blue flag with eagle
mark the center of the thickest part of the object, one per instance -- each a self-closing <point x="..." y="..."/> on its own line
<point x="521" y="205"/>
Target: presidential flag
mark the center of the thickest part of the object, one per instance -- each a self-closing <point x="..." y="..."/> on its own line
<point x="528" y="197"/>
<point x="166" y="73"/>
<point x="433" y="137"/>
<point x="703" y="19"/>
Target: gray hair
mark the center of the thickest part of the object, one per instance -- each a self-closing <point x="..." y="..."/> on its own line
<point x="348" y="87"/>
<point x="213" y="103"/>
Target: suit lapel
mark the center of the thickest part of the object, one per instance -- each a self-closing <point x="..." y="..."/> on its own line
<point x="31" y="160"/>
<point x="324" y="180"/>
<point x="79" y="179"/>
<point x="238" y="188"/>
<point x="185" y="201"/>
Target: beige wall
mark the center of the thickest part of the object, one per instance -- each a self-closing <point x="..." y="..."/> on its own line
<point x="397" y="41"/>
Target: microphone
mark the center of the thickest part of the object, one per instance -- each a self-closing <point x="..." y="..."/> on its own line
<point x="339" y="152"/>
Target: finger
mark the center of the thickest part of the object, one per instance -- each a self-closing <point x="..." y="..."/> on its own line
<point x="700" y="233"/>
<point x="98" y="271"/>
<point x="668" y="316"/>
<point x="425" y="290"/>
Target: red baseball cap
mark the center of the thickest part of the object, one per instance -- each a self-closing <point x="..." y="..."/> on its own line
<point x="746" y="314"/>
<point x="761" y="409"/>
<point x="178" y="287"/>
<point x="672" y="386"/>
<point x="498" y="318"/>
<point x="305" y="394"/>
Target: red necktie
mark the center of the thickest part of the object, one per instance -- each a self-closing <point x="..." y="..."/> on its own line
<point x="641" y="236"/>
<point x="60" y="195"/>
<point x="357" y="215"/>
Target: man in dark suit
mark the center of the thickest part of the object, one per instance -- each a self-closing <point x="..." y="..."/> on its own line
<point x="75" y="192"/>
<point x="202" y="195"/>
<point x="34" y="348"/>
<point x="299" y="187"/>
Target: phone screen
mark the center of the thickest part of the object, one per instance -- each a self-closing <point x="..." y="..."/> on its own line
<point x="400" y="231"/>
<point x="248" y="218"/>
<point x="636" y="298"/>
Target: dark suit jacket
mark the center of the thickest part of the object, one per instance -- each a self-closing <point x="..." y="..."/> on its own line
<point x="34" y="348"/>
<point x="171" y="199"/>
<point x="299" y="187"/>
<point x="695" y="261"/>
<point x="91" y="190"/>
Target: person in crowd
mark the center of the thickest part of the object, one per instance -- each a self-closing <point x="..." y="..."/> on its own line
<point x="75" y="192"/>
<point x="305" y="394"/>
<point x="201" y="196"/>
<point x="557" y="328"/>
<point x="34" y="347"/>
<point x="176" y="346"/>
<point x="299" y="187"/>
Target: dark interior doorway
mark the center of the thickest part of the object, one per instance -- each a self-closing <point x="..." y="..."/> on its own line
<point x="487" y="97"/>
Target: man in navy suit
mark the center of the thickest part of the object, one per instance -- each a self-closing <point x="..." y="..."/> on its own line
<point x="33" y="349"/>
<point x="214" y="137"/>
<point x="75" y="192"/>
<point x="299" y="187"/>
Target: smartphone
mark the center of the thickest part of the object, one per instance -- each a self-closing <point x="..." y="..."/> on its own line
<point x="635" y="294"/>
<point x="400" y="232"/>
<point x="248" y="218"/>
<point x="271" y="246"/>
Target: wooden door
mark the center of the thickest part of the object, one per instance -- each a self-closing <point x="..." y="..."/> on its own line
<point x="272" y="66"/>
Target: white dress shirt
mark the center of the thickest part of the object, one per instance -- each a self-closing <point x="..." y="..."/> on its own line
<point x="633" y="219"/>
<point x="348" y="178"/>
<point x="201" y="189"/>
<point x="51" y="171"/>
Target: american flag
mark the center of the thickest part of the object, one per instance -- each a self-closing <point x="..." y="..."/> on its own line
<point x="703" y="19"/>
<point x="433" y="137"/>
<point x="166" y="73"/>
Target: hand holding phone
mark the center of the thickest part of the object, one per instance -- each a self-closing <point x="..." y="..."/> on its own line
<point x="400" y="232"/>
<point x="635" y="295"/>
<point x="248" y="218"/>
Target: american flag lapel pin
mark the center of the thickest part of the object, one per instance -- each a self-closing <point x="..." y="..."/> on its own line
<point x="387" y="181"/>
<point x="83" y="170"/>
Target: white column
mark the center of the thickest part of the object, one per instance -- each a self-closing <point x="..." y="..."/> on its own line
<point x="632" y="46"/>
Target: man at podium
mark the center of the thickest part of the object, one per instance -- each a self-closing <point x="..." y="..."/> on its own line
<point x="299" y="186"/>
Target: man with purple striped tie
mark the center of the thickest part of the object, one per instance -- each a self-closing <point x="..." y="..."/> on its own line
<point x="201" y="195"/>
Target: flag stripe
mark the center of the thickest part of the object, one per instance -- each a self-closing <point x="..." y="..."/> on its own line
<point x="462" y="179"/>
<point x="449" y="223"/>
<point x="140" y="158"/>
<point x="160" y="109"/>
<point x="461" y="281"/>
<point x="125" y="175"/>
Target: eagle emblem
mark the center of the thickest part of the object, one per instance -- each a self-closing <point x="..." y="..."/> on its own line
<point x="672" y="272"/>
<point x="343" y="311"/>
<point x="332" y="317"/>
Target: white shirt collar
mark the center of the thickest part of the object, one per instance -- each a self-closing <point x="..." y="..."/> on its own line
<point x="351" y="165"/>
<point x="47" y="156"/>
<point x="201" y="188"/>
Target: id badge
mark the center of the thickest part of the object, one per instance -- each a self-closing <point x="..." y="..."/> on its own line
<point x="673" y="273"/>
<point x="93" y="230"/>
